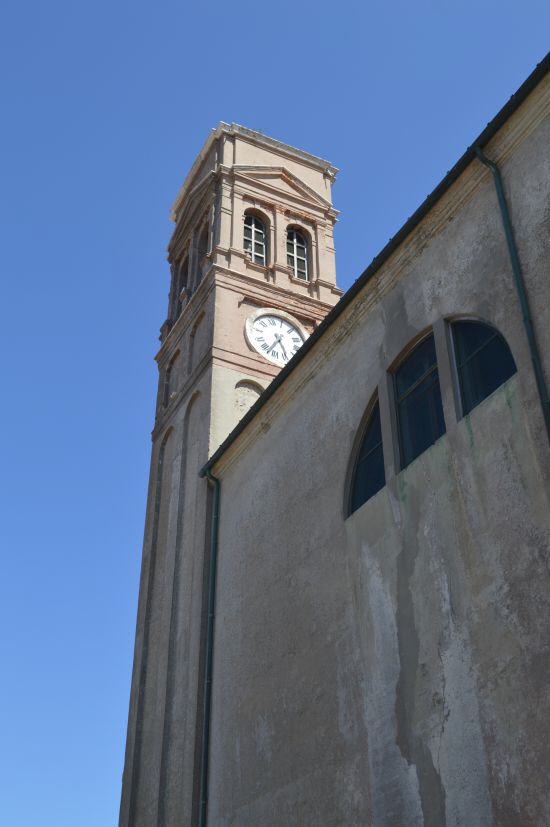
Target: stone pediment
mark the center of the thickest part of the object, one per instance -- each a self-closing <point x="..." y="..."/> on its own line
<point x="280" y="180"/>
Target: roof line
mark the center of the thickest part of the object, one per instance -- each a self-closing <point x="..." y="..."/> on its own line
<point x="482" y="139"/>
<point x="250" y="135"/>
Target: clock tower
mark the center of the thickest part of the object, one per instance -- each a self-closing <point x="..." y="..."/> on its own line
<point x="252" y="274"/>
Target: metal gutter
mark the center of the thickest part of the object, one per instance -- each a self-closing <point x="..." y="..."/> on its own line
<point x="470" y="155"/>
<point x="209" y="659"/>
<point x="520" y="287"/>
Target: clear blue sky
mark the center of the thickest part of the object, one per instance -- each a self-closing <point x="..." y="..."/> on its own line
<point x="104" y="106"/>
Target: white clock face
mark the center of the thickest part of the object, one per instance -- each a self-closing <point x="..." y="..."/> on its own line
<point x="274" y="337"/>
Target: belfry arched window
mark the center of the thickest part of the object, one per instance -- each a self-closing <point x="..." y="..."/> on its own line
<point x="181" y="283"/>
<point x="483" y="361"/>
<point x="418" y="401"/>
<point x="368" y="475"/>
<point x="297" y="254"/>
<point x="255" y="239"/>
<point x="168" y="388"/>
<point x="202" y="253"/>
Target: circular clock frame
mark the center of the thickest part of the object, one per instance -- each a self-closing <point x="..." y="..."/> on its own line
<point x="270" y="311"/>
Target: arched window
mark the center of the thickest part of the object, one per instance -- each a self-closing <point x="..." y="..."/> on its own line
<point x="418" y="401"/>
<point x="254" y="239"/>
<point x="169" y="380"/>
<point x="296" y="254"/>
<point x="483" y="361"/>
<point x="369" y="475"/>
<point x="202" y="251"/>
<point x="181" y="283"/>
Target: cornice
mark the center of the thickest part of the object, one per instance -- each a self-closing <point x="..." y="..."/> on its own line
<point x="242" y="362"/>
<point x="254" y="174"/>
<point x="330" y="286"/>
<point x="240" y="283"/>
<point x="316" y="212"/>
<point x="253" y="137"/>
<point x="286" y="150"/>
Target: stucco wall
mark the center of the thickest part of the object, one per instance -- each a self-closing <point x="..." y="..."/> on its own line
<point x="392" y="667"/>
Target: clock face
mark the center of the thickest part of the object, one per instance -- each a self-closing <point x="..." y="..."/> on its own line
<point x="275" y="338"/>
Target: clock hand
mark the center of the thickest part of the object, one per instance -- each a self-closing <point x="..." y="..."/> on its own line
<point x="277" y="341"/>
<point x="284" y="351"/>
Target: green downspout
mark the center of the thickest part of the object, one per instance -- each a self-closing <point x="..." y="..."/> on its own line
<point x="520" y="287"/>
<point x="209" y="655"/>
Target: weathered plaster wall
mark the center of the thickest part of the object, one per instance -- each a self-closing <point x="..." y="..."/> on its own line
<point x="393" y="667"/>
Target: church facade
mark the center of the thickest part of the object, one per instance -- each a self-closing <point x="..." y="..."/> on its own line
<point x="345" y="588"/>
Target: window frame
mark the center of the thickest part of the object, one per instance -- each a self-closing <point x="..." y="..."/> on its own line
<point x="355" y="454"/>
<point x="456" y="366"/>
<point x="398" y="398"/>
<point x="182" y="279"/>
<point x="255" y="217"/>
<point x="203" y="242"/>
<point x="298" y="231"/>
<point x="169" y="380"/>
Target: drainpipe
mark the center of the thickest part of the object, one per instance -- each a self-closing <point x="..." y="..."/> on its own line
<point x="520" y="288"/>
<point x="209" y="656"/>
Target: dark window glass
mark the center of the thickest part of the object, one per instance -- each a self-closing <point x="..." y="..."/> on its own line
<point x="296" y="248"/>
<point x="168" y="380"/>
<point x="418" y="400"/>
<point x="254" y="239"/>
<point x="369" y="476"/>
<point x="181" y="283"/>
<point x="483" y="361"/>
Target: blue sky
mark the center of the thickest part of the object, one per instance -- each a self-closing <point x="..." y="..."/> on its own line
<point x="105" y="105"/>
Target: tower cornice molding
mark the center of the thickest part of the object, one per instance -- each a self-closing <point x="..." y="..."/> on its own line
<point x="253" y="173"/>
<point x="247" y="286"/>
<point x="256" y="138"/>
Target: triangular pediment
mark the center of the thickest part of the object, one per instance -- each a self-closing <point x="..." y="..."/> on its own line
<point x="281" y="180"/>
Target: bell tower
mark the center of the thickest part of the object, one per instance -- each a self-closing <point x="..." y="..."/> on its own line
<point x="252" y="274"/>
